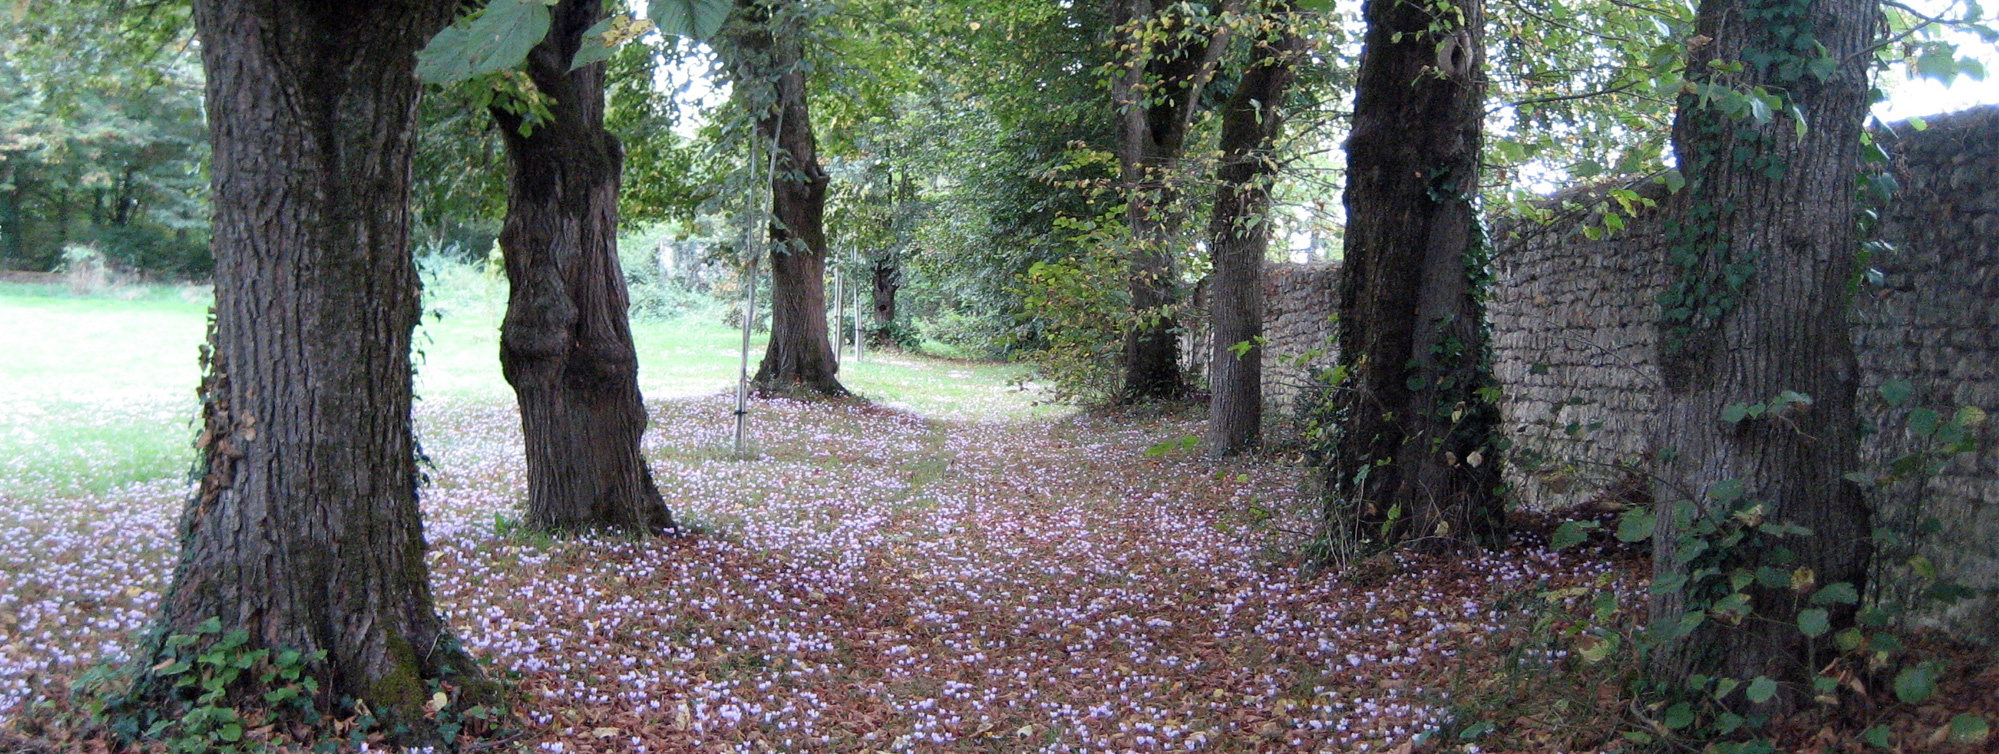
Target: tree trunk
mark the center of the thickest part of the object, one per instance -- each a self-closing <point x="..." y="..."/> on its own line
<point x="566" y="342"/>
<point x="305" y="532"/>
<point x="1239" y="234"/>
<point x="799" y="359"/>
<point x="1411" y="459"/>
<point x="1158" y="93"/>
<point x="10" y="218"/>
<point x="887" y="281"/>
<point x="1762" y="252"/>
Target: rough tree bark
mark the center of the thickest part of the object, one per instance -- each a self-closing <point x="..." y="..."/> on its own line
<point x="305" y="532"/>
<point x="799" y="359"/>
<point x="566" y="342"/>
<point x="887" y="277"/>
<point x="1158" y="95"/>
<point x="1239" y="234"/>
<point x="1411" y="458"/>
<point x="1773" y="210"/>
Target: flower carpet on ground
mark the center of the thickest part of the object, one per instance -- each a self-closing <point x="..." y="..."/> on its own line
<point x="871" y="581"/>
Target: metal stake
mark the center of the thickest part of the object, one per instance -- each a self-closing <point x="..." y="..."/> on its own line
<point x="759" y="227"/>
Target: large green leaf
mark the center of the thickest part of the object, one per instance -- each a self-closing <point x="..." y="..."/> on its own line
<point x="498" y="37"/>
<point x="1915" y="684"/>
<point x="697" y="20"/>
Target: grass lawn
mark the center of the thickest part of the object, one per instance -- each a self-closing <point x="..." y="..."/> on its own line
<point x="97" y="392"/>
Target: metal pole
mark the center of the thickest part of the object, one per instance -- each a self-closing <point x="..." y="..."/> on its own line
<point x="743" y="372"/>
<point x="759" y="226"/>
<point x="839" y="315"/>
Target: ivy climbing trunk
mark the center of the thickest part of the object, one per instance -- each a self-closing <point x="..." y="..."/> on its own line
<point x="1411" y="423"/>
<point x="1239" y="234"/>
<point x="305" y="532"/>
<point x="764" y="55"/>
<point x="566" y="342"/>
<point x="1158" y="94"/>
<point x="1762" y="246"/>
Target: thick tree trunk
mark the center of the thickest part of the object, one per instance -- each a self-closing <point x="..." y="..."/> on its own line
<point x="1412" y="460"/>
<point x="1158" y="94"/>
<point x="305" y="532"/>
<point x="799" y="359"/>
<point x="887" y="281"/>
<point x="1762" y="253"/>
<point x="566" y="342"/>
<point x="1239" y="235"/>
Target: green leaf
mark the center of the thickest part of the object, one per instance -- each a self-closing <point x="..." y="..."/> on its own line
<point x="1937" y="63"/>
<point x="1836" y="592"/>
<point x="594" y="48"/>
<point x="1897" y="392"/>
<point x="1679" y="716"/>
<point x="1924" y="421"/>
<point x="1848" y="640"/>
<point x="697" y="20"/>
<point x="1814" y="622"/>
<point x="1761" y="689"/>
<point x="1968" y="728"/>
<point x="1919" y="124"/>
<point x="499" y="37"/>
<point x="1735" y="412"/>
<point x="1876" y="737"/>
<point x="1476" y="729"/>
<point x="1570" y="534"/>
<point x="1759" y="109"/>
<point x="1915" y="684"/>
<point x="1635" y="525"/>
<point x="1674" y="181"/>
<point x="1725" y="686"/>
<point x="210" y="626"/>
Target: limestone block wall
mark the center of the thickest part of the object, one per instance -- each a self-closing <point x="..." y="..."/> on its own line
<point x="1575" y="350"/>
<point x="1298" y="305"/>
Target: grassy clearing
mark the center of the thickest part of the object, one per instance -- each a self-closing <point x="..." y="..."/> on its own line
<point x="96" y="391"/>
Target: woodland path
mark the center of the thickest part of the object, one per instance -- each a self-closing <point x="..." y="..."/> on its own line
<point x="876" y="581"/>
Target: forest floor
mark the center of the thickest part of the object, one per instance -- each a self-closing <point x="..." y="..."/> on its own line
<point x="949" y="569"/>
<point x="875" y="580"/>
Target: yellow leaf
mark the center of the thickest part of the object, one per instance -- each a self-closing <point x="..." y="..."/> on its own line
<point x="437" y="702"/>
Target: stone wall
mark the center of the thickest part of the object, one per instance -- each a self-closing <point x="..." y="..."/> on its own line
<point x="1298" y="305"/>
<point x="1574" y="348"/>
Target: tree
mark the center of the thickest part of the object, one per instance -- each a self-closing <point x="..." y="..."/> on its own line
<point x="102" y="142"/>
<point x="765" y="55"/>
<point x="1762" y="250"/>
<point x="305" y="532"/>
<point x="1239" y="234"/>
<point x="566" y="342"/>
<point x="1411" y="416"/>
<point x="1157" y="91"/>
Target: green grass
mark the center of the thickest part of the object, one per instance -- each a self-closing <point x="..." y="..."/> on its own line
<point x="97" y="392"/>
